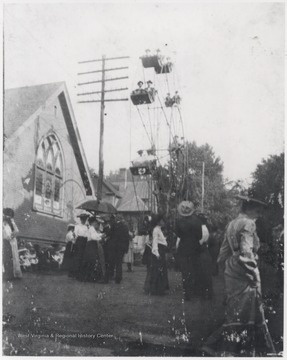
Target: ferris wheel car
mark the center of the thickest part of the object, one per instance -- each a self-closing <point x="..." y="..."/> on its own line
<point x="140" y="171"/>
<point x="145" y="161"/>
<point x="151" y="61"/>
<point x="142" y="97"/>
<point x="144" y="164"/>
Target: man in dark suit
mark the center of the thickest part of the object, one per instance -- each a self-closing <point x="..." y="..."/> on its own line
<point x="189" y="232"/>
<point x="117" y="245"/>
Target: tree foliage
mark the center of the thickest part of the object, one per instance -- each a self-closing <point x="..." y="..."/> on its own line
<point x="268" y="185"/>
<point x="182" y="179"/>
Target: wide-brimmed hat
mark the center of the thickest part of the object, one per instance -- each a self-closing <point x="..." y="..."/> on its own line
<point x="250" y="199"/>
<point x="95" y="219"/>
<point x="185" y="208"/>
<point x="156" y="219"/>
<point x="83" y="216"/>
<point x="8" y="212"/>
<point x="92" y="219"/>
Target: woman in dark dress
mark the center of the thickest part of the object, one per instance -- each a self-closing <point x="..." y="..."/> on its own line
<point x="81" y="234"/>
<point x="205" y="271"/>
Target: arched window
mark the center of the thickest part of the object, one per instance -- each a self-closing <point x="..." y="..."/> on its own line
<point x="49" y="176"/>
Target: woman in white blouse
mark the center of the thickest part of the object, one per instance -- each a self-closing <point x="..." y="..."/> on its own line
<point x="92" y="261"/>
<point x="68" y="254"/>
<point x="81" y="235"/>
<point x="158" y="277"/>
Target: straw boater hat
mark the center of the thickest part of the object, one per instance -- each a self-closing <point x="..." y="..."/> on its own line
<point x="185" y="208"/>
<point x="70" y="226"/>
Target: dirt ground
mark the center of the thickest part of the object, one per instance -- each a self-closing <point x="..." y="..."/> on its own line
<point x="51" y="314"/>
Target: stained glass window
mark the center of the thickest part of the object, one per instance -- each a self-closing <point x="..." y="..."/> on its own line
<point x="49" y="176"/>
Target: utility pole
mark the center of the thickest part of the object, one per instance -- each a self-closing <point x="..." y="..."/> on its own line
<point x="101" y="150"/>
<point x="102" y="101"/>
<point x="202" y="186"/>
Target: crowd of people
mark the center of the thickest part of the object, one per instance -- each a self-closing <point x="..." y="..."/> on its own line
<point x="193" y="258"/>
<point x="96" y="247"/>
<point x="245" y="330"/>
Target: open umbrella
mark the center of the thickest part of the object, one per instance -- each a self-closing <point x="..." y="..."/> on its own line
<point x="96" y="206"/>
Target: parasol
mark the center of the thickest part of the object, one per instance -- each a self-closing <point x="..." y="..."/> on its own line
<point x="96" y="206"/>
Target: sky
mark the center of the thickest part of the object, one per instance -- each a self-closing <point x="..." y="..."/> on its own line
<point x="228" y="68"/>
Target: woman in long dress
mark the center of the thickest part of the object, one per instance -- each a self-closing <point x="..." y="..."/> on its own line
<point x="81" y="234"/>
<point x="11" y="261"/>
<point x="158" y="269"/>
<point x="244" y="332"/>
<point x="129" y="256"/>
<point x="146" y="258"/>
<point x="92" y="263"/>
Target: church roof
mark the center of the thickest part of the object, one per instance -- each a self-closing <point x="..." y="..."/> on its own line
<point x="22" y="105"/>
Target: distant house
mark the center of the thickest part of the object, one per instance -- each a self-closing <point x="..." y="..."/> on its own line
<point x="137" y="198"/>
<point x="45" y="168"/>
<point x="109" y="192"/>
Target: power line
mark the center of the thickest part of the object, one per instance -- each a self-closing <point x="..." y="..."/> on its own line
<point x="105" y="80"/>
<point x="93" y="101"/>
<point x="99" y="92"/>
<point x="102" y="101"/>
<point x="98" y="71"/>
<point x="97" y="60"/>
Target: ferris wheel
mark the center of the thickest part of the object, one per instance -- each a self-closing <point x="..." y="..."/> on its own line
<point x="158" y="103"/>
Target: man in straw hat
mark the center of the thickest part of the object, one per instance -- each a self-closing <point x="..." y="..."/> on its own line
<point x="189" y="232"/>
<point x="245" y="332"/>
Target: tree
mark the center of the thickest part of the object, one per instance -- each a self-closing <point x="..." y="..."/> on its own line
<point x="181" y="179"/>
<point x="268" y="185"/>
